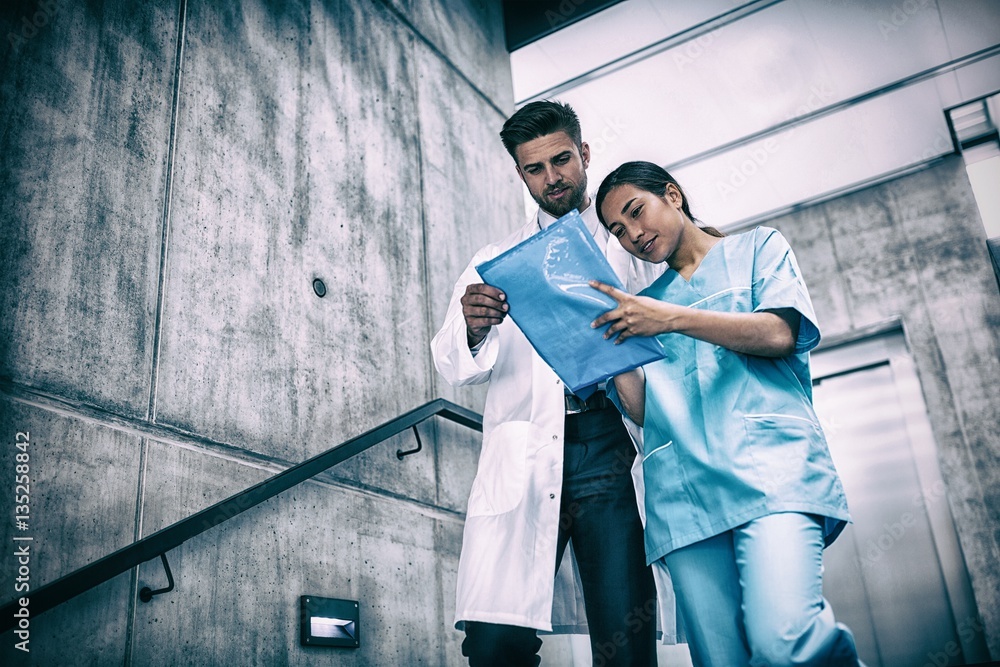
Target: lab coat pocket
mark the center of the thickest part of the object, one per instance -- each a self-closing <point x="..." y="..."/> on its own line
<point x="784" y="449"/>
<point x="501" y="478"/>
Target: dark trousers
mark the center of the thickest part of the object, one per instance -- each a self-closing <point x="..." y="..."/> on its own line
<point x="598" y="514"/>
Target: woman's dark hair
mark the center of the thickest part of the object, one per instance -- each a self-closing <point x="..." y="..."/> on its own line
<point x="649" y="177"/>
<point x="536" y="120"/>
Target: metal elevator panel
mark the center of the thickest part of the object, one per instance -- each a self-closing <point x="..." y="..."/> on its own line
<point x="896" y="576"/>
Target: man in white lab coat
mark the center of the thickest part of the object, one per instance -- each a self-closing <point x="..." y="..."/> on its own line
<point x="553" y="470"/>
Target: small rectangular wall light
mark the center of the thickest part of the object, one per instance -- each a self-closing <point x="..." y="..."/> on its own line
<point x="329" y="622"/>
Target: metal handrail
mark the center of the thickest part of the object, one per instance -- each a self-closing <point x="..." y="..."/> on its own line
<point x="65" y="588"/>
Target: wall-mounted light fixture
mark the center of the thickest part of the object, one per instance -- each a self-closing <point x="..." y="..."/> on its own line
<point x="329" y="622"/>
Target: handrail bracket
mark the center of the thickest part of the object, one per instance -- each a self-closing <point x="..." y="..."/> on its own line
<point x="400" y="454"/>
<point x="146" y="594"/>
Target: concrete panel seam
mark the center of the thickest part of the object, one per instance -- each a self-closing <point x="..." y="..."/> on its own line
<point x="432" y="376"/>
<point x="433" y="47"/>
<point x="842" y="285"/>
<point x="366" y="491"/>
<point x="171" y="436"/>
<point x="133" y="584"/>
<point x="165" y="221"/>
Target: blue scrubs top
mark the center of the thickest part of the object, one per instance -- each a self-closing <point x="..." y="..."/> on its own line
<point x="731" y="437"/>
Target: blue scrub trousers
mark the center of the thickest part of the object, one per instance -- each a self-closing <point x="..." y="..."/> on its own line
<point x="754" y="596"/>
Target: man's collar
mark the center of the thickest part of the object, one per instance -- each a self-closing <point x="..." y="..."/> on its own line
<point x="589" y="216"/>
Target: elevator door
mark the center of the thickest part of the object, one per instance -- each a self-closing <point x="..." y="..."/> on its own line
<point x="896" y="576"/>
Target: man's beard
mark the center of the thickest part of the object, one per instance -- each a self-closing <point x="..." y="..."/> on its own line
<point x="567" y="203"/>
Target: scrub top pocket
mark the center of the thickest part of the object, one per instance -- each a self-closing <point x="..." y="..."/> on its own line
<point x="668" y="510"/>
<point x="786" y="450"/>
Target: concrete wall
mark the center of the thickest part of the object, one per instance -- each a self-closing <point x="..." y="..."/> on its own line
<point x="174" y="177"/>
<point x="915" y="249"/>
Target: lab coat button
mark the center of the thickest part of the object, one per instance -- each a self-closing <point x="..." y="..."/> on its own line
<point x="552" y="496"/>
<point x="555" y="437"/>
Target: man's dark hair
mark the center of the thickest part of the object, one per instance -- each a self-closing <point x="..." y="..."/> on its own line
<point x="537" y="119"/>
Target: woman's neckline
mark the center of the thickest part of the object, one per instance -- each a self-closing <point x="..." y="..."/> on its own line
<point x="697" y="266"/>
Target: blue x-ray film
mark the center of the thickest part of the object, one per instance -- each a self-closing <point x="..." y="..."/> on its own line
<point x="546" y="280"/>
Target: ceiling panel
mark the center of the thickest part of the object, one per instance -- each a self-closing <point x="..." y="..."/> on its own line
<point x="607" y="36"/>
<point x="701" y="107"/>
<point x="970" y="25"/>
<point x="977" y="80"/>
<point x="805" y="162"/>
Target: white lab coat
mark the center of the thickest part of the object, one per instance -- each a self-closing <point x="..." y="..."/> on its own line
<point x="505" y="572"/>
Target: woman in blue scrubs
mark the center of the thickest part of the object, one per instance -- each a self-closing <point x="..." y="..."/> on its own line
<point x="741" y="495"/>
